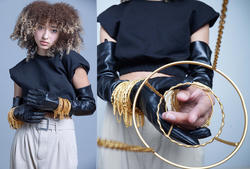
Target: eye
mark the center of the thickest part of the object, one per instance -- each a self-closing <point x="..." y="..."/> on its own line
<point x="40" y="27"/>
<point x="54" y="30"/>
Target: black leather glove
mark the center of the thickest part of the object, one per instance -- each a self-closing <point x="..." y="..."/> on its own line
<point x="107" y="77"/>
<point x="85" y="102"/>
<point x="42" y="100"/>
<point x="148" y="102"/>
<point x="200" y="52"/>
<point x="26" y="113"/>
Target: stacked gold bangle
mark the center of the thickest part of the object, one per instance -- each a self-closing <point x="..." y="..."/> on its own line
<point x="14" y="123"/>
<point x="63" y="109"/>
<point x="121" y="102"/>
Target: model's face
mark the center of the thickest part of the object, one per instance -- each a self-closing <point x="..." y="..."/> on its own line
<point x="45" y="37"/>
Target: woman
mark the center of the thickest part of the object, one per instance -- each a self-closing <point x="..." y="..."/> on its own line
<point x="51" y="85"/>
<point x="137" y="37"/>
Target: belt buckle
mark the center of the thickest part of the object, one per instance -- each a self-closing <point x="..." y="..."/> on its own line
<point x="47" y="125"/>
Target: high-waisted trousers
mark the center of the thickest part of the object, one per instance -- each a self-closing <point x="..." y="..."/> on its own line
<point x="50" y="144"/>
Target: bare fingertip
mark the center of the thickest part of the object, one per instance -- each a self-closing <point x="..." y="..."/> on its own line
<point x="192" y="118"/>
<point x="169" y="116"/>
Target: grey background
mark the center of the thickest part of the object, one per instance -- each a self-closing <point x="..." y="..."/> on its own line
<point x="11" y="54"/>
<point x="234" y="61"/>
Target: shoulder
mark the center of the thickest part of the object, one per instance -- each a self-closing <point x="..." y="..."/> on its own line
<point x="74" y="59"/>
<point x="18" y="66"/>
<point x="199" y="5"/>
<point x="113" y="11"/>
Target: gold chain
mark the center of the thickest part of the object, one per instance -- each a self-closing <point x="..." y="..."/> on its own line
<point x="220" y="32"/>
<point x="121" y="146"/>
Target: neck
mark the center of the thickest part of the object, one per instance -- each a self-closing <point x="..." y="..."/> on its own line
<point x="41" y="52"/>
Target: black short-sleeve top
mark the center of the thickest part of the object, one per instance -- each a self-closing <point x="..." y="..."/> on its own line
<point x="52" y="74"/>
<point x="150" y="34"/>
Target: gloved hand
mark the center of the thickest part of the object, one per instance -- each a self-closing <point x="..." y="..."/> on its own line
<point x="42" y="100"/>
<point x="107" y="77"/>
<point x="84" y="104"/>
<point x="200" y="52"/>
<point x="148" y="102"/>
<point x="28" y="114"/>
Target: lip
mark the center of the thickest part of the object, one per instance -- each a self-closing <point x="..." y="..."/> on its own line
<point x="43" y="43"/>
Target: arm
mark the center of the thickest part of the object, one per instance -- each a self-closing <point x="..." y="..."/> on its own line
<point x="83" y="104"/>
<point x="107" y="77"/>
<point x="195" y="105"/>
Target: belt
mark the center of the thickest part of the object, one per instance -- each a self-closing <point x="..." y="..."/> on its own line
<point x="53" y="124"/>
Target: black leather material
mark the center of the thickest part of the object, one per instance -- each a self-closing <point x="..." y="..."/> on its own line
<point x="148" y="102"/>
<point x="42" y="100"/>
<point x="107" y="77"/>
<point x="200" y="52"/>
<point x="85" y="102"/>
<point x="17" y="101"/>
<point x="28" y="114"/>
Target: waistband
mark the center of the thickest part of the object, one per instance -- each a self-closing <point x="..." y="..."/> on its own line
<point x="53" y="124"/>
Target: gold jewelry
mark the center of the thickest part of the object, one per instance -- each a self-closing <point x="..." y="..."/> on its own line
<point x="63" y="109"/>
<point x="14" y="123"/>
<point x="121" y="102"/>
<point x="121" y="146"/>
<point x="59" y="108"/>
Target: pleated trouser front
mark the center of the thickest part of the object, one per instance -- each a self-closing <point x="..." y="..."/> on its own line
<point x="50" y="144"/>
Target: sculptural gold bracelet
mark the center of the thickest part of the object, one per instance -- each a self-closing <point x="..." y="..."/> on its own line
<point x="122" y="106"/>
<point x="14" y="123"/>
<point x="63" y="109"/>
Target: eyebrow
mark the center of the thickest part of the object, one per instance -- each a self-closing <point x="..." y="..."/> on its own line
<point x="53" y="26"/>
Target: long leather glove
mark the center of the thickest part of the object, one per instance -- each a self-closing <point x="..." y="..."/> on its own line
<point x="148" y="102"/>
<point x="107" y="77"/>
<point x="26" y="113"/>
<point x="200" y="52"/>
<point x="84" y="104"/>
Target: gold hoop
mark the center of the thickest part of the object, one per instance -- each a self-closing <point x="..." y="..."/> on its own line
<point x="167" y="135"/>
<point x="237" y="145"/>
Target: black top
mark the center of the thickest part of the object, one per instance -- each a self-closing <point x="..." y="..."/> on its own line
<point x="150" y="34"/>
<point x="51" y="74"/>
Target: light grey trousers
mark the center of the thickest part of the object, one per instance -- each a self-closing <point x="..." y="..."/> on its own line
<point x="50" y="144"/>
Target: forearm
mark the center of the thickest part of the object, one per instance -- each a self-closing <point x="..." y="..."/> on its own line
<point x="107" y="77"/>
<point x="85" y="102"/>
<point x="200" y="52"/>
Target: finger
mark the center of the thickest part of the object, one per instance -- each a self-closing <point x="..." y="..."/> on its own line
<point x="200" y="113"/>
<point x="34" y="121"/>
<point x="32" y="103"/>
<point x="36" y="118"/>
<point x="178" y="118"/>
<point x="33" y="97"/>
<point x="39" y="113"/>
<point x="34" y="92"/>
<point x="183" y="95"/>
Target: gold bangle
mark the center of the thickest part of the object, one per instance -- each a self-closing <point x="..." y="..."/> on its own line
<point x="14" y="123"/>
<point x="59" y="108"/>
<point x="122" y="106"/>
<point x="63" y="109"/>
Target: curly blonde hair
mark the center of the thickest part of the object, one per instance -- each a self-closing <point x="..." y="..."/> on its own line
<point x="41" y="12"/>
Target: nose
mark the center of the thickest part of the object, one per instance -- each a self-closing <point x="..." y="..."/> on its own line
<point x="45" y="34"/>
